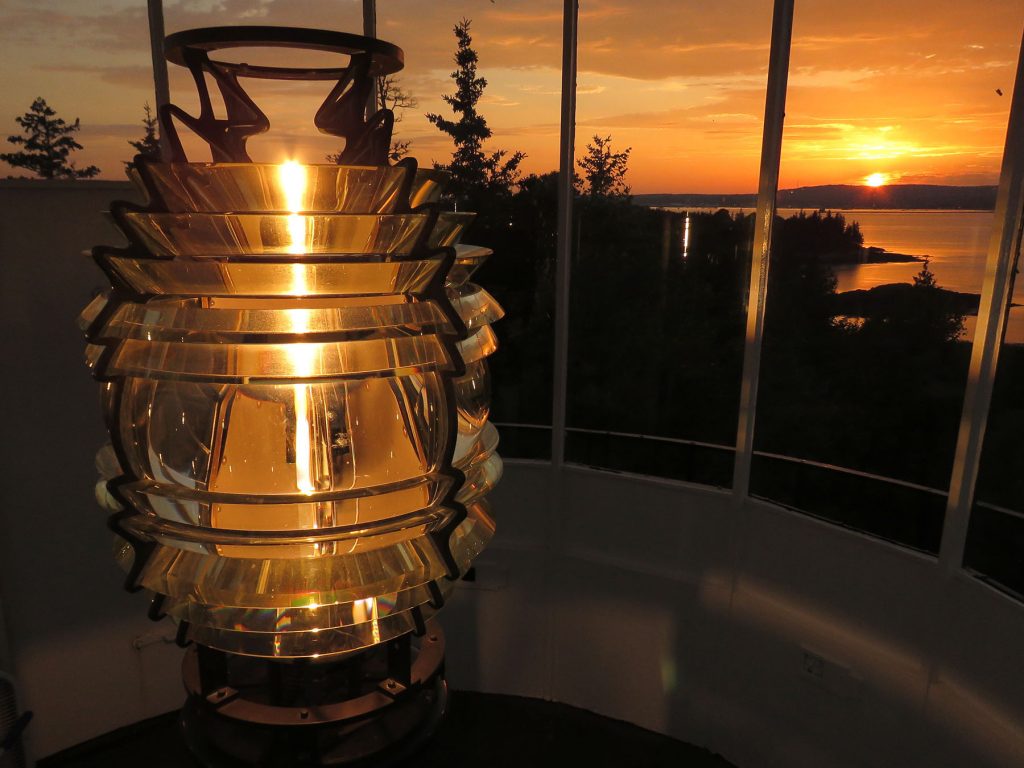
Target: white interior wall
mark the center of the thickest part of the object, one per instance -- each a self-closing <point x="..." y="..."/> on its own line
<point x="645" y="600"/>
<point x="705" y="627"/>
<point x="70" y="625"/>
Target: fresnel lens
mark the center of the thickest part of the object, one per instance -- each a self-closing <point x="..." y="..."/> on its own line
<point x="294" y="374"/>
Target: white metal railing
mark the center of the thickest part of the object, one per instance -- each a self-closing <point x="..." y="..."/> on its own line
<point x="909" y="485"/>
<point x="1000" y="510"/>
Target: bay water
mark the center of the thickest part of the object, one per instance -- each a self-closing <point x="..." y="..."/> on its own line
<point x="954" y="242"/>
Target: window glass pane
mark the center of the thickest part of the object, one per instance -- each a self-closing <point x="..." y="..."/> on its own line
<point x="995" y="539"/>
<point x="518" y="54"/>
<point x="672" y="111"/>
<point x="873" y="284"/>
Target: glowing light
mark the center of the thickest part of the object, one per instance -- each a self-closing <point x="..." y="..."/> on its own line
<point x="293" y="182"/>
<point x="368" y="609"/>
<point x="686" y="236"/>
<point x="876" y="179"/>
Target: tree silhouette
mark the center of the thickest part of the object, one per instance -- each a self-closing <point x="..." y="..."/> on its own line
<point x="48" y="141"/>
<point x="149" y="144"/>
<point x="925" y="278"/>
<point x="391" y="95"/>
<point x="604" y="170"/>
<point x="937" y="313"/>
<point x="473" y="171"/>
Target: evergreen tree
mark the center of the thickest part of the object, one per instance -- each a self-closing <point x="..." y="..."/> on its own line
<point x="604" y="170"/>
<point x="149" y="144"/>
<point x="391" y="95"/>
<point x="48" y="141"/>
<point x="473" y="170"/>
<point x="937" y="310"/>
<point x="925" y="278"/>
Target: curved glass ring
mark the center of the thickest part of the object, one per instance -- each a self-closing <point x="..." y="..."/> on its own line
<point x="448" y="229"/>
<point x="228" y="320"/>
<point x="481" y="344"/>
<point x="251" y="234"/>
<point x="203" y="235"/>
<point x="476" y="450"/>
<point x="298" y="619"/>
<point x="92" y="310"/>
<point x="292" y="575"/>
<point x="312" y="643"/>
<point x="245" y="363"/>
<point x="475" y="306"/>
<point x="295" y="621"/>
<point x="241" y="443"/>
<point x="257" y="188"/>
<point x="357" y="507"/>
<point x="473" y="397"/>
<point x="212" y="277"/>
<point x="473" y="534"/>
<point x="206" y="577"/>
<point x="150" y="527"/>
<point x="480" y="480"/>
<point x="271" y="551"/>
<point x="427" y="186"/>
<point x="468" y="259"/>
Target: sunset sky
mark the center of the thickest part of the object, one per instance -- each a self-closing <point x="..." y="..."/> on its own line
<point x="904" y="89"/>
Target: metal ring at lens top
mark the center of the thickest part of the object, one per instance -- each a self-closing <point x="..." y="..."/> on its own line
<point x="385" y="58"/>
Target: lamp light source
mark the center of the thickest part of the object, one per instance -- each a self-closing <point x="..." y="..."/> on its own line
<point x="294" y="378"/>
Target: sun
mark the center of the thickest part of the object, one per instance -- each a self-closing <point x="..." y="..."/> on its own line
<point x="876" y="179"/>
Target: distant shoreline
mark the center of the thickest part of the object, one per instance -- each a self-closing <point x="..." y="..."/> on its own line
<point x="752" y="208"/>
<point x="872" y="254"/>
<point x="842" y="197"/>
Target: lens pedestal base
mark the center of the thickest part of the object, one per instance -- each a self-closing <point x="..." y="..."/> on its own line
<point x="374" y="707"/>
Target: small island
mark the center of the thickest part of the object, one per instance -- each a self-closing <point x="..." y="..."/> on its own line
<point x="884" y="300"/>
<point x="872" y="254"/>
<point x="868" y="254"/>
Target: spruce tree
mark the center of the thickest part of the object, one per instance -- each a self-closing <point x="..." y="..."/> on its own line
<point x="149" y="144"/>
<point x="390" y="95"/>
<point x="473" y="171"/>
<point x="48" y="141"/>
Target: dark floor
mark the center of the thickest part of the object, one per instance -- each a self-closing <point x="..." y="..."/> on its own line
<point x="480" y="730"/>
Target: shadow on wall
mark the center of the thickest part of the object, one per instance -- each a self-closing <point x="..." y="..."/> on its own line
<point x="795" y="644"/>
<point x="70" y="625"/>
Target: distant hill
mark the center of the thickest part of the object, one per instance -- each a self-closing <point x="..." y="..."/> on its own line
<point x="839" y="196"/>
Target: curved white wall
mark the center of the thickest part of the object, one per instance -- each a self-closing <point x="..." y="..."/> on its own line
<point x="645" y="600"/>
<point x="69" y="625"/>
<point x="665" y="605"/>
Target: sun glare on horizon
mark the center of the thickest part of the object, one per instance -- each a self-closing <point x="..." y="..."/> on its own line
<point x="876" y="180"/>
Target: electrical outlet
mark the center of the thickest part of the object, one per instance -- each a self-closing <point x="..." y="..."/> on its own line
<point x="834" y="677"/>
<point x="814" y="665"/>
